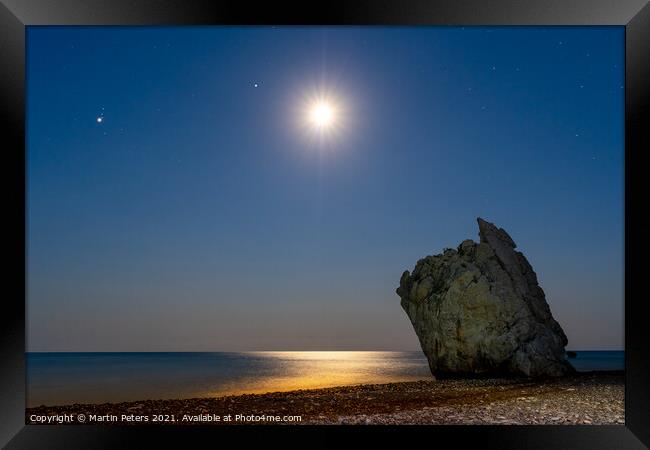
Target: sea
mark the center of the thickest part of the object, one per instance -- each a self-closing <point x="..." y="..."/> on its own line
<point x="68" y="378"/>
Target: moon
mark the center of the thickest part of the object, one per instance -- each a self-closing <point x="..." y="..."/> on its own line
<point x="321" y="115"/>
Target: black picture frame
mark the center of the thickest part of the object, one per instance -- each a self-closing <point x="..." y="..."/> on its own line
<point x="634" y="15"/>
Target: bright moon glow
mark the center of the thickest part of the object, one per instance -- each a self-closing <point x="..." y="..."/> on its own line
<point x="322" y="115"/>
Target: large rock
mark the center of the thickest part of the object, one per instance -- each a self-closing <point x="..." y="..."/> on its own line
<point x="479" y="310"/>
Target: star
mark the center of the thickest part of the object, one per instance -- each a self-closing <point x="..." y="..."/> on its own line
<point x="255" y="85"/>
<point x="100" y="119"/>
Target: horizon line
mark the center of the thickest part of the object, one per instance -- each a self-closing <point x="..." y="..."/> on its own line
<point x="268" y="351"/>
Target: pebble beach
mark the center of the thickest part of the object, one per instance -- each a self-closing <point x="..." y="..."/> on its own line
<point x="594" y="398"/>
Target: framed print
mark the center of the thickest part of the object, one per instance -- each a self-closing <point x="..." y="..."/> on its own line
<point x="372" y="219"/>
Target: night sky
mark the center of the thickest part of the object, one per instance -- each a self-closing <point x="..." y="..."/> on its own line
<point x="178" y="201"/>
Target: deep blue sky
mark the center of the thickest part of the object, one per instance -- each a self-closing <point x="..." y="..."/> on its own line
<point x="200" y="215"/>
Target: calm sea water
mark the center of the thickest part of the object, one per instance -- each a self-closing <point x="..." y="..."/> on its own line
<point x="66" y="378"/>
<point x="587" y="361"/>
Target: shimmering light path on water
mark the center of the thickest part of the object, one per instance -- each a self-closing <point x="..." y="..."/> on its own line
<point x="63" y="378"/>
<point x="66" y="378"/>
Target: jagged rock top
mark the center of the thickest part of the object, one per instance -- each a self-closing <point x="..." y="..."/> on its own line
<point x="492" y="235"/>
